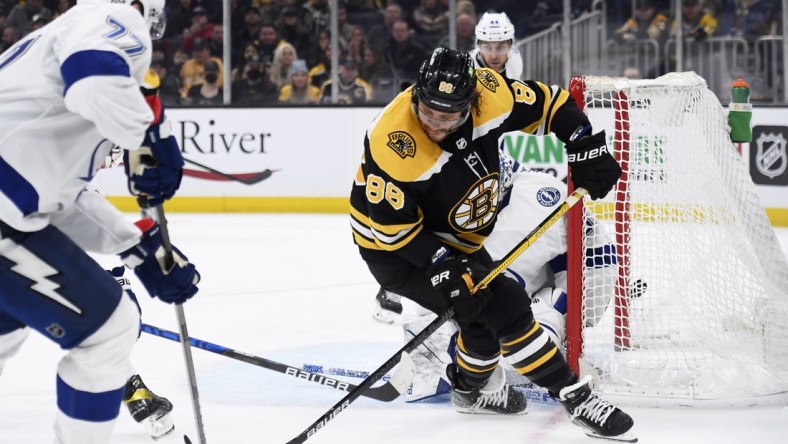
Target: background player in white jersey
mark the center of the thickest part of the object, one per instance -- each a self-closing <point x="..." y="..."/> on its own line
<point x="68" y="92"/>
<point x="495" y="45"/>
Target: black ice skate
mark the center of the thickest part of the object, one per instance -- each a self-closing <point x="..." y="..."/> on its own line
<point x="598" y="417"/>
<point x="146" y="406"/>
<point x="387" y="307"/>
<point x="494" y="397"/>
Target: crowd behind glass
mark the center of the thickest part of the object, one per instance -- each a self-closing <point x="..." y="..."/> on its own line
<point x="280" y="51"/>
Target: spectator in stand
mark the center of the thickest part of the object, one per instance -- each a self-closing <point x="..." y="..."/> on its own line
<point x="179" y="58"/>
<point x="249" y="52"/>
<point x="169" y="90"/>
<point x="10" y="36"/>
<point x="38" y="22"/>
<point x="267" y="42"/>
<point x="317" y="16"/>
<point x="299" y="91"/>
<point x="466" y="37"/>
<point x="344" y="27"/>
<point x="207" y="93"/>
<point x="200" y="28"/>
<point x="61" y="8"/>
<point x="2" y="21"/>
<point x="271" y="10"/>
<point x="284" y="56"/>
<point x="431" y="23"/>
<point x="314" y="55"/>
<point x="379" y="36"/>
<point x="646" y="24"/>
<point x="179" y="18"/>
<point x="254" y="87"/>
<point x="377" y="73"/>
<point x="322" y="70"/>
<point x="292" y="29"/>
<point x="216" y="40"/>
<point x="251" y="29"/>
<point x="748" y="18"/>
<point x="21" y="16"/>
<point x="193" y="70"/>
<point x="464" y="7"/>
<point x="352" y="90"/>
<point x="403" y="54"/>
<point x="356" y="44"/>
<point x="697" y="23"/>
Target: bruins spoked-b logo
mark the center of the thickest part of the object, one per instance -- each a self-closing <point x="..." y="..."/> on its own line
<point x="478" y="207"/>
<point x="487" y="79"/>
<point x="402" y="143"/>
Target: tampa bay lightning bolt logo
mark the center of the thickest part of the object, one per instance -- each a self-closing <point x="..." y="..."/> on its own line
<point x="548" y="196"/>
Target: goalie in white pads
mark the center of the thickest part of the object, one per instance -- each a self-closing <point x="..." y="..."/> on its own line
<point x="68" y="92"/>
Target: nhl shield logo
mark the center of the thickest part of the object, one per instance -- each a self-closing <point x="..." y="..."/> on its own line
<point x="771" y="158"/>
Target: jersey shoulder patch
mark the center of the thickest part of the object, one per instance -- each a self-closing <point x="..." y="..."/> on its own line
<point x="398" y="145"/>
<point x="495" y="101"/>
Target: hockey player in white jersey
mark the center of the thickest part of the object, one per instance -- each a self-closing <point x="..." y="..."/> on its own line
<point x="69" y="92"/>
<point x="495" y="45"/>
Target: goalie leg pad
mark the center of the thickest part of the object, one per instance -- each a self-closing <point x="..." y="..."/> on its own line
<point x="430" y="358"/>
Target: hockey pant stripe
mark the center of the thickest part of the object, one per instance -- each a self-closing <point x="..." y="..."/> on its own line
<point x="86" y="406"/>
<point x="535" y="356"/>
<point x="476" y="368"/>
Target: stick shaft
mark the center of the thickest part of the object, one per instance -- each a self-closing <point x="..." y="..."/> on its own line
<point x="571" y="200"/>
<point x="169" y="262"/>
<point x="382" y="393"/>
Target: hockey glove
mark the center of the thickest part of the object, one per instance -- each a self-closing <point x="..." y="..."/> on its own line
<point x="592" y="165"/>
<point x="453" y="278"/>
<point x="175" y="285"/>
<point x="156" y="168"/>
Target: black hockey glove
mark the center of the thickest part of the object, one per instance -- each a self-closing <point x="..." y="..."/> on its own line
<point x="453" y="278"/>
<point x="593" y="167"/>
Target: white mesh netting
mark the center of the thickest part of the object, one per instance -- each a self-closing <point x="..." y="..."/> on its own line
<point x="696" y="307"/>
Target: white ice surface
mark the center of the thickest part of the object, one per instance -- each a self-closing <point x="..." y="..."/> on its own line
<point x="293" y="289"/>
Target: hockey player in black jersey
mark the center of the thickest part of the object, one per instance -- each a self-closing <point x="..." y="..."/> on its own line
<point x="425" y="197"/>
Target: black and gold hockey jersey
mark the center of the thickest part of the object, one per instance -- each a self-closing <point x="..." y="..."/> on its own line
<point x="412" y="195"/>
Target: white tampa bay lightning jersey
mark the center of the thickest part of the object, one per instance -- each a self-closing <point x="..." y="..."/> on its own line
<point x="68" y="92"/>
<point x="514" y="63"/>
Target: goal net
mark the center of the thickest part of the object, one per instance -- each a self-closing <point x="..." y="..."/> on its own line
<point x="690" y="305"/>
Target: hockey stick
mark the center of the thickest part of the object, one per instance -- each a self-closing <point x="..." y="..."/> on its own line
<point x="537" y="232"/>
<point x="169" y="262"/>
<point x="391" y="390"/>
<point x="259" y="177"/>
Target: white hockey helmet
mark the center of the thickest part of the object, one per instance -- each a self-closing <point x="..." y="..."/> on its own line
<point x="494" y="27"/>
<point x="152" y="11"/>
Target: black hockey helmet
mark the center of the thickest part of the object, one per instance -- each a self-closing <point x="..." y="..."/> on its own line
<point x="446" y="81"/>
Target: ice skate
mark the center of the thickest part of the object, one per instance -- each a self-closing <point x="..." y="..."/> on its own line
<point x="600" y="418"/>
<point x="494" y="397"/>
<point x="146" y="407"/>
<point x="388" y="307"/>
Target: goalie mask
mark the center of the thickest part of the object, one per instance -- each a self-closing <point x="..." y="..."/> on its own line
<point x="446" y="82"/>
<point x="152" y="11"/>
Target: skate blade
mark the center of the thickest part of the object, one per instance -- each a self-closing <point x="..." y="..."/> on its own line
<point x="489" y="413"/>
<point x="624" y="437"/>
<point x="161" y="426"/>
